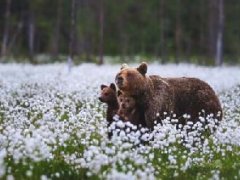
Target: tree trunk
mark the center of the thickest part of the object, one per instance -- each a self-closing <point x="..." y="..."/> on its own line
<point x="202" y="36"/>
<point x="178" y="33"/>
<point x="31" y="35"/>
<point x="220" y="29"/>
<point x="6" y="29"/>
<point x="55" y="39"/>
<point x="72" y="34"/>
<point x="162" y="32"/>
<point x="123" y="37"/>
<point x="88" y="39"/>
<point x="15" y="36"/>
<point x="101" y="23"/>
<point x="212" y="10"/>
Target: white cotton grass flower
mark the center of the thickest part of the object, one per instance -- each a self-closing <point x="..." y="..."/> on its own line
<point x="46" y="111"/>
<point x="44" y="177"/>
<point x="3" y="154"/>
<point x="10" y="177"/>
<point x="119" y="175"/>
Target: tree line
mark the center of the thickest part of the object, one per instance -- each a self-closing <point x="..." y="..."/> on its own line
<point x="202" y="31"/>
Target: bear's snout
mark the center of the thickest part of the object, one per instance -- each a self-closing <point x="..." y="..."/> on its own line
<point x="119" y="80"/>
<point x="100" y="99"/>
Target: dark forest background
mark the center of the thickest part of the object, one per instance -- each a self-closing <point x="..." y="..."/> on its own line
<point x="199" y="31"/>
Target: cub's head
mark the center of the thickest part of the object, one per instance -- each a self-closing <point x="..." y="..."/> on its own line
<point x="131" y="80"/>
<point x="126" y="103"/>
<point x="108" y="93"/>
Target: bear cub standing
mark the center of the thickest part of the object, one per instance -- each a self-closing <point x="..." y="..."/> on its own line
<point x="109" y="96"/>
<point x="122" y="105"/>
<point x="128" y="110"/>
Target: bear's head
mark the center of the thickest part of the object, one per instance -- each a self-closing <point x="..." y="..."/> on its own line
<point x="132" y="80"/>
<point x="108" y="93"/>
<point x="126" y="103"/>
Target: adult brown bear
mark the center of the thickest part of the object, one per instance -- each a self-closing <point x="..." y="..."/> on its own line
<point x="155" y="95"/>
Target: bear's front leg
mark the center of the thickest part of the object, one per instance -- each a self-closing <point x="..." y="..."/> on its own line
<point x="152" y="117"/>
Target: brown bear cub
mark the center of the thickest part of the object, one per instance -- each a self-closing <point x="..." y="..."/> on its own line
<point x="121" y="105"/>
<point x="155" y="95"/>
<point x="128" y="110"/>
<point x="109" y="96"/>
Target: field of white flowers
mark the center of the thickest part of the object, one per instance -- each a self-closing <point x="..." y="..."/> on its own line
<point x="53" y="126"/>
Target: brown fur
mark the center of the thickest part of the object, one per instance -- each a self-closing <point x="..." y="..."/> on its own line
<point x="155" y="95"/>
<point x="128" y="110"/>
<point x="193" y="95"/>
<point x="109" y="96"/>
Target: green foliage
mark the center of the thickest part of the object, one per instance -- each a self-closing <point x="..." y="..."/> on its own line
<point x="56" y="168"/>
<point x="145" y="28"/>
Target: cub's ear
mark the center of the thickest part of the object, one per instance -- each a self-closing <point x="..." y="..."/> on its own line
<point x="119" y="93"/>
<point x="103" y="86"/>
<point x="112" y="85"/>
<point x="142" y="68"/>
<point x="124" y="66"/>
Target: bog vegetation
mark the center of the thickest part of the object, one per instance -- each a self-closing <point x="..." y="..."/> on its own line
<point x="53" y="126"/>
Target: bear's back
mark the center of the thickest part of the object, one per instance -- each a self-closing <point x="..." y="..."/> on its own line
<point x="193" y="95"/>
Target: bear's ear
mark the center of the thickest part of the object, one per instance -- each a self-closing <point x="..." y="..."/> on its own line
<point x="142" y="68"/>
<point x="103" y="86"/>
<point x="124" y="66"/>
<point x="119" y="93"/>
<point x="112" y="85"/>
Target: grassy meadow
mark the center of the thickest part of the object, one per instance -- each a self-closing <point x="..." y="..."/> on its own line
<point x="52" y="126"/>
